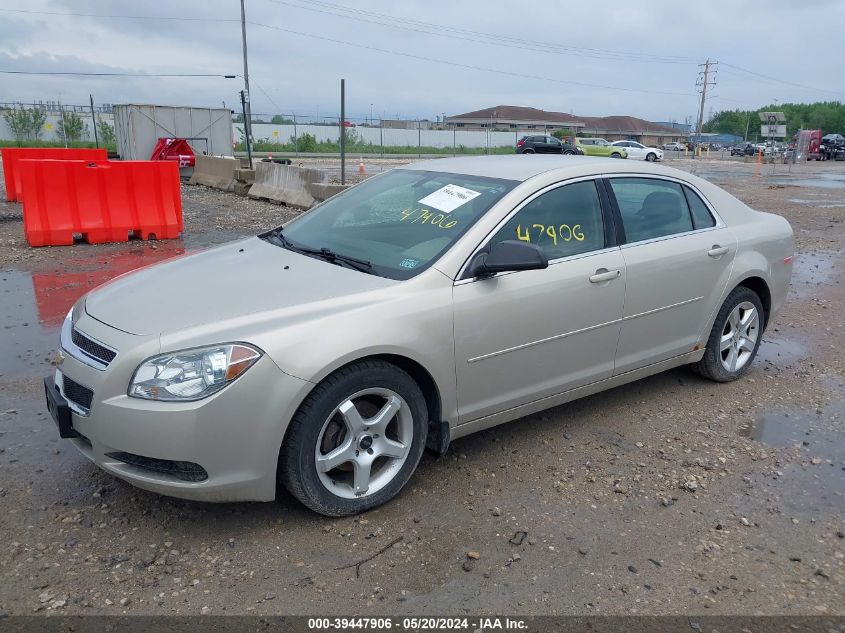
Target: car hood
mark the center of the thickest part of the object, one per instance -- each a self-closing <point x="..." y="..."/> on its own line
<point x="242" y="278"/>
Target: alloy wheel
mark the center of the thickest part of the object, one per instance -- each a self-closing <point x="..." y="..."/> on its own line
<point x="363" y="444"/>
<point x="739" y="336"/>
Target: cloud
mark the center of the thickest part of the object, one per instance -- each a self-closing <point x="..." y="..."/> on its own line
<point x="300" y="73"/>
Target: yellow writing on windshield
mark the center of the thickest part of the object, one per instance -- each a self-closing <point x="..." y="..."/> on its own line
<point x="423" y="216"/>
<point x="564" y="233"/>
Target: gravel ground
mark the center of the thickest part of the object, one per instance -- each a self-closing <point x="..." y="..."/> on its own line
<point x="671" y="495"/>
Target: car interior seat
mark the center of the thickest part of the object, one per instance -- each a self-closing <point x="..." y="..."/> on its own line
<point x="662" y="213"/>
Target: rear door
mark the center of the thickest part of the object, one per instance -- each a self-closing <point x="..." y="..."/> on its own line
<point x="678" y="257"/>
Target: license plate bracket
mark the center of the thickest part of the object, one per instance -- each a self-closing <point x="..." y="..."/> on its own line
<point x="59" y="409"/>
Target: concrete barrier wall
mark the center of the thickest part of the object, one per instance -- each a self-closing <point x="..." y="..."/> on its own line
<point x="321" y="191"/>
<point x="215" y="171"/>
<point x="287" y="184"/>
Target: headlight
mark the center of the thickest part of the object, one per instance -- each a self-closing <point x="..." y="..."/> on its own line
<point x="192" y="374"/>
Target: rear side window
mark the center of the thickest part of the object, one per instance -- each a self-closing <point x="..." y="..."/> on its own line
<point x="563" y="222"/>
<point x="651" y="208"/>
<point x="701" y="216"/>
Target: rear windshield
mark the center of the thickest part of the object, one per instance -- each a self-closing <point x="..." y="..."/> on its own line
<point x="401" y="221"/>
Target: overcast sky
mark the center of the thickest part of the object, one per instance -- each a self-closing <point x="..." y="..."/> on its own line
<point x="596" y="58"/>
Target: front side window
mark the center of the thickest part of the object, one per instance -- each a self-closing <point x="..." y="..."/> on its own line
<point x="564" y="221"/>
<point x="651" y="208"/>
<point x="399" y="222"/>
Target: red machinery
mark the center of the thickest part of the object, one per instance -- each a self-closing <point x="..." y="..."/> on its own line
<point x="176" y="149"/>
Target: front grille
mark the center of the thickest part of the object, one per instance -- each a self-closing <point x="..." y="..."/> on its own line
<point x="186" y="471"/>
<point x="92" y="348"/>
<point x="76" y="393"/>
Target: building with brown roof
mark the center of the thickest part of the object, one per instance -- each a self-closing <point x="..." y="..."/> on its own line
<point x="612" y="128"/>
<point x="508" y="118"/>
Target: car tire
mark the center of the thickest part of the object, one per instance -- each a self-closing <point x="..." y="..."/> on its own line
<point x="528" y="151"/>
<point x="616" y="155"/>
<point x="651" y="157"/>
<point x="733" y="341"/>
<point x="362" y="392"/>
<point x="568" y="152"/>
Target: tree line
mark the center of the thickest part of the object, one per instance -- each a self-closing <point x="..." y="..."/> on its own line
<point x="28" y="124"/>
<point x="829" y="116"/>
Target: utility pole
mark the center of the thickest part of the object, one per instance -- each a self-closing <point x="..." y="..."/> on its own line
<point x="245" y="96"/>
<point x="244" y="109"/>
<point x="94" y="121"/>
<point x="701" y="83"/>
<point x="343" y="131"/>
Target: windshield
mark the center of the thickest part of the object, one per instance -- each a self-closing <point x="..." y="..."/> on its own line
<point x="399" y="222"/>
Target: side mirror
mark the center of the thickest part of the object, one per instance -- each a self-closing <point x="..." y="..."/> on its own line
<point x="507" y="256"/>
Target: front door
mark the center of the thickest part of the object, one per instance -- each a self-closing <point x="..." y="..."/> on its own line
<point x="522" y="336"/>
<point x="678" y="258"/>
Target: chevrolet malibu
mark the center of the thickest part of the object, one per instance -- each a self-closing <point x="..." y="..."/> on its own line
<point x="417" y="307"/>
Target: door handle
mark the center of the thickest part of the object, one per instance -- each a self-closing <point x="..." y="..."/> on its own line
<point x="603" y="274"/>
<point x="717" y="251"/>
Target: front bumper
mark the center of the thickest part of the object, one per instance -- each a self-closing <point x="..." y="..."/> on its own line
<point x="233" y="435"/>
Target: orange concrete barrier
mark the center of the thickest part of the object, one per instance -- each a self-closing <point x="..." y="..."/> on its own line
<point x="100" y="200"/>
<point x="11" y="156"/>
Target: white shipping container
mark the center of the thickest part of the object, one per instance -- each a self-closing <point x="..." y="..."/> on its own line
<point x="137" y="128"/>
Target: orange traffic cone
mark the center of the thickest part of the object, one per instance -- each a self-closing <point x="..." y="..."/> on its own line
<point x="361" y="169"/>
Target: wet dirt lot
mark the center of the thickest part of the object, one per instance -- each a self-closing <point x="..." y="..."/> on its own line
<point x="670" y="495"/>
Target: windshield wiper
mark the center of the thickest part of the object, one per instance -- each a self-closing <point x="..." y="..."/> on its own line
<point x="326" y="254"/>
<point x="330" y="256"/>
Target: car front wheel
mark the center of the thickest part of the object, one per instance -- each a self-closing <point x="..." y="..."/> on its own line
<point x="616" y="155"/>
<point x="651" y="157"/>
<point x="735" y="337"/>
<point x="356" y="439"/>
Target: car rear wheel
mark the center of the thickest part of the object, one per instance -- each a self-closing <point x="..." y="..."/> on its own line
<point x="616" y="155"/>
<point x="651" y="157"/>
<point x="356" y="439"/>
<point x="528" y="151"/>
<point x="735" y="337"/>
<point x="568" y="152"/>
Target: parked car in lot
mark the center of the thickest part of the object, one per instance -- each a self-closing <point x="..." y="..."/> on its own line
<point x="832" y="147"/>
<point x="674" y="147"/>
<point x="600" y="147"/>
<point x="421" y="305"/>
<point x="543" y="144"/>
<point x="640" y="151"/>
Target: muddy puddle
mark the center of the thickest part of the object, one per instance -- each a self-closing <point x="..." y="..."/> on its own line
<point x="821" y="181"/>
<point x="777" y="350"/>
<point x="34" y="304"/>
<point x="816" y="478"/>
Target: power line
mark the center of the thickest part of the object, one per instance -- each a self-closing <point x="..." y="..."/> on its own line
<point x="435" y="60"/>
<point x="117" y="17"/>
<point x="266" y="94"/>
<point x="779" y="81"/>
<point x="82" y="74"/>
<point x="480" y="37"/>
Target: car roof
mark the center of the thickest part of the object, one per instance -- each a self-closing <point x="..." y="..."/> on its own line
<point x="522" y="168"/>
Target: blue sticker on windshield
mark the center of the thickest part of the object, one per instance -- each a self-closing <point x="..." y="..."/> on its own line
<point x="409" y="263"/>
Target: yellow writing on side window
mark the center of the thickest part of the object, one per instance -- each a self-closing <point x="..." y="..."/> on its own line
<point x="423" y="216"/>
<point x="564" y="233"/>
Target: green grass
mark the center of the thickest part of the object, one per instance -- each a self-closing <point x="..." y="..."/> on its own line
<point x="327" y="147"/>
